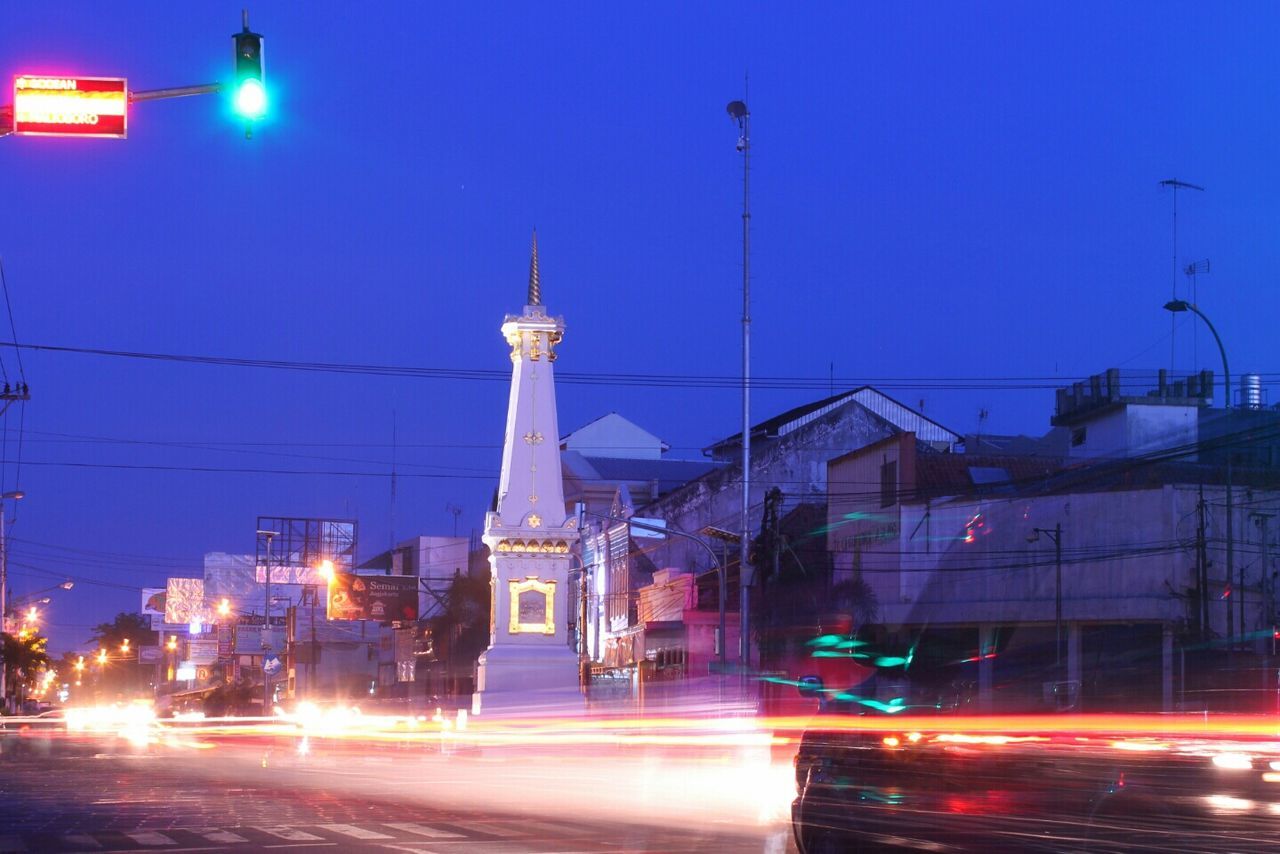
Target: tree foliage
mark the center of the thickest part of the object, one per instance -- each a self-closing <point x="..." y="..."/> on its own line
<point x="135" y="628"/>
<point x="25" y="658"/>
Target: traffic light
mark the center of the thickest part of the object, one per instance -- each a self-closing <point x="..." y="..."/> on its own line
<point x="250" y="96"/>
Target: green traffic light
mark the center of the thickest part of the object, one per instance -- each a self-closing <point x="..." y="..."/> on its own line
<point x="251" y="98"/>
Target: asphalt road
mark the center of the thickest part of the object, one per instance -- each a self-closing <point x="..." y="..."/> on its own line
<point x="101" y="794"/>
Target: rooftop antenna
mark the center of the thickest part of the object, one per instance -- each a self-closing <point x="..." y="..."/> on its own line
<point x="1192" y="270"/>
<point x="1175" y="185"/>
<point x="456" y="511"/>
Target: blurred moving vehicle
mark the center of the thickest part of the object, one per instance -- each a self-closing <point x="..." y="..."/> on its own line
<point x="872" y="778"/>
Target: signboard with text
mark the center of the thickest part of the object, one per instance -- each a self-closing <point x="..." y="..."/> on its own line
<point x="70" y="106"/>
<point x="381" y="598"/>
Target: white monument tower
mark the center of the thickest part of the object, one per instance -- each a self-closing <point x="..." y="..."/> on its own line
<point x="529" y="663"/>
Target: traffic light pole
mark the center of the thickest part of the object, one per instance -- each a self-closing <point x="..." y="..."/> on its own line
<point x="176" y="92"/>
<point x="6" y="111"/>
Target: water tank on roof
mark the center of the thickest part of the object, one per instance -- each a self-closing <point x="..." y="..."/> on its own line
<point x="1251" y="391"/>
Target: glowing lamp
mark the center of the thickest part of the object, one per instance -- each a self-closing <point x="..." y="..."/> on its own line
<point x="251" y="99"/>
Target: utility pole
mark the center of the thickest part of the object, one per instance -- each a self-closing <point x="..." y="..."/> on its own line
<point x="1202" y="570"/>
<point x="266" y="626"/>
<point x="739" y="112"/>
<point x="4" y="590"/>
<point x="1055" y="534"/>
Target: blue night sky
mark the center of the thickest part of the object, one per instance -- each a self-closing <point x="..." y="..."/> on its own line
<point x="939" y="191"/>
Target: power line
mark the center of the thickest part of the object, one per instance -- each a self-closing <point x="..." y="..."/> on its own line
<point x="582" y="378"/>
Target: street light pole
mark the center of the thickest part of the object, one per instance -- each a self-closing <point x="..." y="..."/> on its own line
<point x="4" y="590"/>
<point x="1179" y="305"/>
<point x="266" y="627"/>
<point x="739" y="112"/>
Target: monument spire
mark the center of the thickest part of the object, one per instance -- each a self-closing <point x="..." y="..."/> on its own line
<point x="530" y="533"/>
<point x="535" y="284"/>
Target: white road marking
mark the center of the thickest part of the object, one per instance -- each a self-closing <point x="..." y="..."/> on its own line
<point x="82" y="841"/>
<point x="554" y="827"/>
<point x="423" y="830"/>
<point x="292" y="834"/>
<point x="214" y="834"/>
<point x="353" y="831"/>
<point x="492" y="829"/>
<point x="149" y="837"/>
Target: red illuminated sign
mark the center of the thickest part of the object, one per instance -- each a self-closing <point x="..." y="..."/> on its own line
<point x="70" y="106"/>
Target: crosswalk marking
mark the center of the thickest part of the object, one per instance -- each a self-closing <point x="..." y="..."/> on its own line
<point x="292" y="834"/>
<point x="81" y="841"/>
<point x="422" y="830"/>
<point x="213" y="834"/>
<point x="353" y="831"/>
<point x="149" y="837"/>
<point x="554" y="828"/>
<point x="493" y="829"/>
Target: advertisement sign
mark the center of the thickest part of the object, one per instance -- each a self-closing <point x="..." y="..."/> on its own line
<point x="153" y="602"/>
<point x="149" y="655"/>
<point x="184" y="600"/>
<point x="70" y="106"/>
<point x="226" y="641"/>
<point x="381" y="598"/>
<point x="202" y="651"/>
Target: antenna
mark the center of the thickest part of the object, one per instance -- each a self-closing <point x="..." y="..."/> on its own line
<point x="456" y="511"/>
<point x="1192" y="270"/>
<point x="1175" y="185"/>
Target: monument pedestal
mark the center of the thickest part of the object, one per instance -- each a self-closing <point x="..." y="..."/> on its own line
<point x="528" y="680"/>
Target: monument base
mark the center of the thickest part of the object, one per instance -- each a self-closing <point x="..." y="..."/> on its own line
<point x="528" y="680"/>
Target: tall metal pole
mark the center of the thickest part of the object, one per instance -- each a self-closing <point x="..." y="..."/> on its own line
<point x="738" y="110"/>
<point x="4" y="593"/>
<point x="1057" y="603"/>
<point x="1182" y="305"/>
<point x="266" y="627"/>
<point x="4" y="608"/>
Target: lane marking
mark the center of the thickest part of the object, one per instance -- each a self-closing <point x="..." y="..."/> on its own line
<point x="214" y="834"/>
<point x="492" y="829"/>
<point x="291" y="833"/>
<point x="149" y="837"/>
<point x="422" y="830"/>
<point x="558" y="828"/>
<point x="81" y="841"/>
<point x="353" y="831"/>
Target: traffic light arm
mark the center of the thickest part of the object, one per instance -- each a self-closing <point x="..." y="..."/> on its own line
<point x="6" y="110"/>
<point x="177" y="92"/>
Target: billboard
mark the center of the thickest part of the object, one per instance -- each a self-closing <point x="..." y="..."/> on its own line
<point x="184" y="601"/>
<point x="153" y="602"/>
<point x="70" y="106"/>
<point x="381" y="598"/>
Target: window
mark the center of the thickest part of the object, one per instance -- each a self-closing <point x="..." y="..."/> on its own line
<point x="1077" y="437"/>
<point x="889" y="483"/>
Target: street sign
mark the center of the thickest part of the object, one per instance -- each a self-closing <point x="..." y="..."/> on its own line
<point x="271" y="665"/>
<point x="70" y="106"/>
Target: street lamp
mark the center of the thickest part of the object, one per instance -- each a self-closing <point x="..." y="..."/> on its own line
<point x="4" y="584"/>
<point x="1055" y="534"/>
<point x="739" y="113"/>
<point x="1176" y="306"/>
<point x="266" y="623"/>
